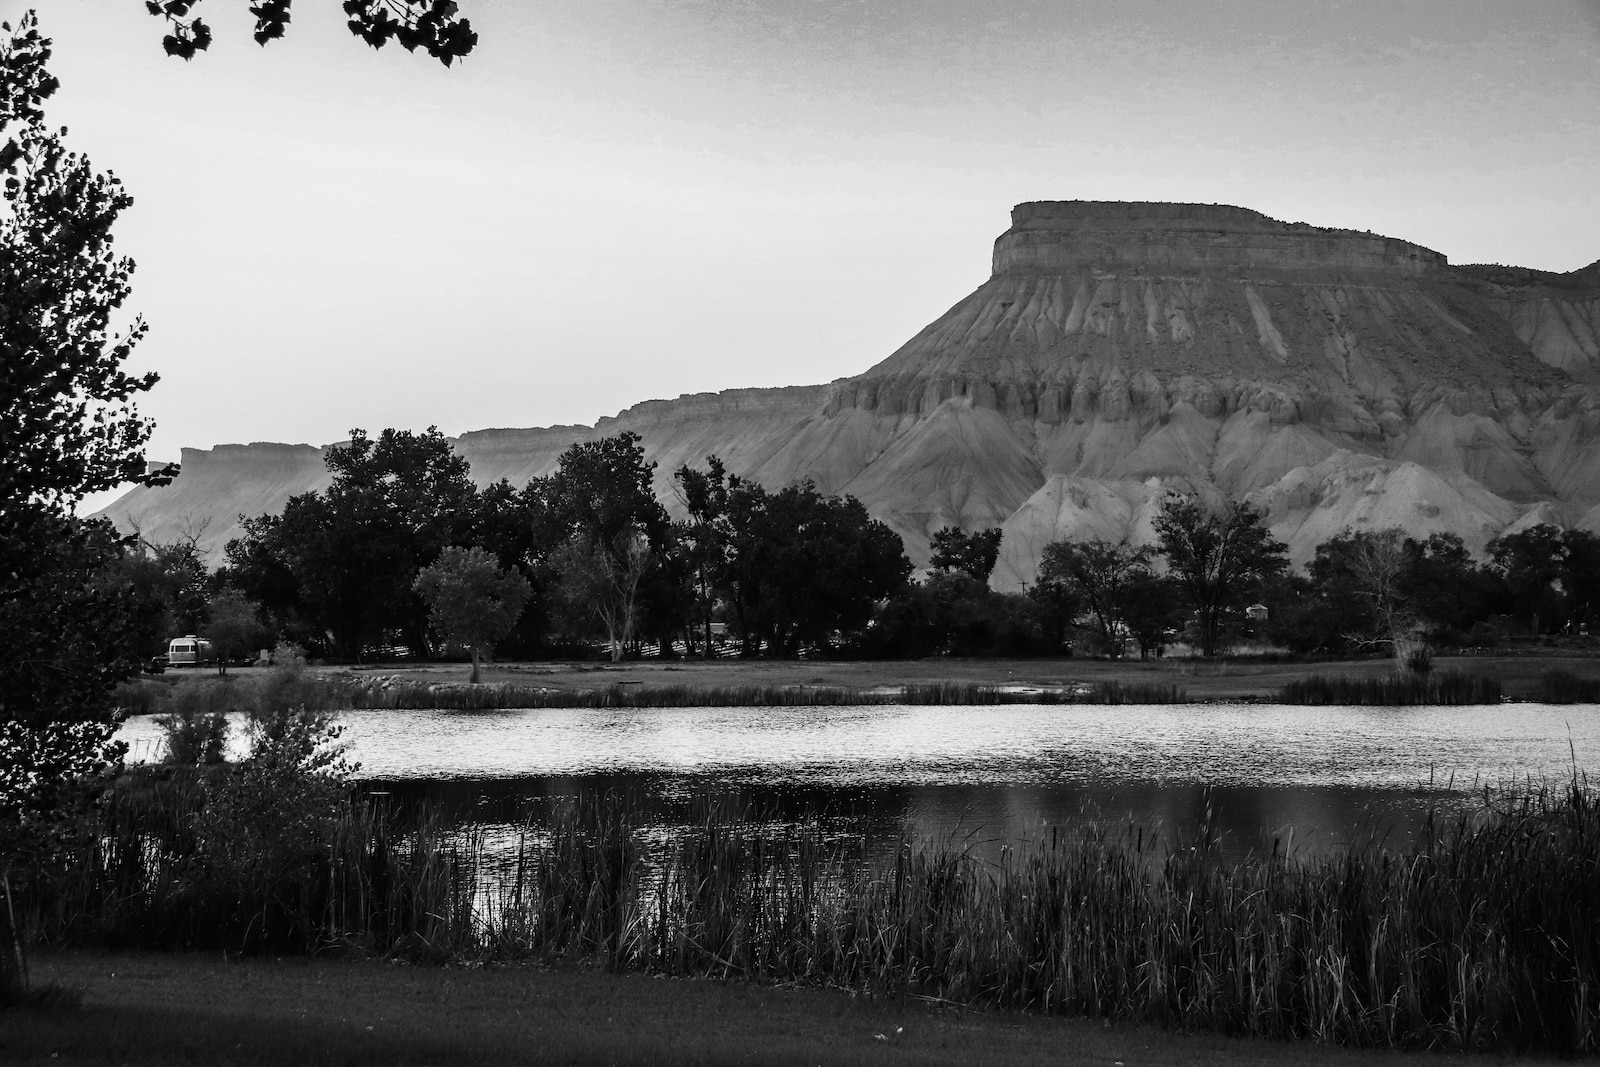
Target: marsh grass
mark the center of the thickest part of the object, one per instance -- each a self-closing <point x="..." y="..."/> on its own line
<point x="1394" y="690"/>
<point x="391" y="693"/>
<point x="1479" y="935"/>
<point x="1564" y="687"/>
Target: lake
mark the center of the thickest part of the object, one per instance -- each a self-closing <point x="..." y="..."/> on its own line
<point x="984" y="777"/>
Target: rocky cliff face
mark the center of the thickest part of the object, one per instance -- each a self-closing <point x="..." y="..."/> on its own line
<point x="1120" y="351"/>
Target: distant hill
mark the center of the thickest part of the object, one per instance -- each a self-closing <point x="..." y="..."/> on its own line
<point x="1119" y="351"/>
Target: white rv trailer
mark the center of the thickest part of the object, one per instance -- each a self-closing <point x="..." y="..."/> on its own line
<point x="189" y="651"/>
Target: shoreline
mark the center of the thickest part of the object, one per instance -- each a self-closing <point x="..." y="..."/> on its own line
<point x="1241" y="680"/>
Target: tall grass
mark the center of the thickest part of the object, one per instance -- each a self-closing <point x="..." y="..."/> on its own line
<point x="419" y="695"/>
<point x="1564" y="687"/>
<point x="1479" y="935"/>
<point x="1393" y="690"/>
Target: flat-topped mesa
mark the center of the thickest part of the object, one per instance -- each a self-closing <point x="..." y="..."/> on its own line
<point x="1067" y="236"/>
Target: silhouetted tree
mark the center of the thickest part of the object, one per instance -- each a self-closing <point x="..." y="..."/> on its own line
<point x="1100" y="571"/>
<point x="68" y="427"/>
<point x="973" y="554"/>
<point x="1219" y="558"/>
<point x="431" y="25"/>
<point x="234" y="627"/>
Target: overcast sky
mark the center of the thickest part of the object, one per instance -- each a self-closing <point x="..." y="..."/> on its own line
<point x="617" y="200"/>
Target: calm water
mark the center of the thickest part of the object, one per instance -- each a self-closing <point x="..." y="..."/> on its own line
<point x="988" y="775"/>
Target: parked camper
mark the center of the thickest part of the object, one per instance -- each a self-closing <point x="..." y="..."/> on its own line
<point x="189" y="651"/>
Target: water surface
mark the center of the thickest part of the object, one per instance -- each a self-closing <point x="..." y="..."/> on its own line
<point x="991" y="775"/>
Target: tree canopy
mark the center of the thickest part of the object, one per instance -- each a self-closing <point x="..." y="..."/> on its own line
<point x="974" y="554"/>
<point x="472" y="600"/>
<point x="434" y="26"/>
<point x="68" y="427"/>
<point x="1220" y="559"/>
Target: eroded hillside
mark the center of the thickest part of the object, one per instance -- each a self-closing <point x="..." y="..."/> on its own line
<point x="1119" y="351"/>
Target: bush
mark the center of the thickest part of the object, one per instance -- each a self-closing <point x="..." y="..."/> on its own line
<point x="193" y="737"/>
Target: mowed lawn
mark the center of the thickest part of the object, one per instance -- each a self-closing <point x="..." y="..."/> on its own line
<point x="190" y="1009"/>
<point x="1242" y="679"/>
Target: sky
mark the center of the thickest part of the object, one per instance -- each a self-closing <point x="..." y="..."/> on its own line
<point x="612" y="201"/>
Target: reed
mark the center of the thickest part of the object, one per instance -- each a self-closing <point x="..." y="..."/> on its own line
<point x="1394" y="690"/>
<point x="418" y="695"/>
<point x="1115" y="692"/>
<point x="1564" y="687"/>
<point x="1478" y="935"/>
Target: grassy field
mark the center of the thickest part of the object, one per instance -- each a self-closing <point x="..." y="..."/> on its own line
<point x="1241" y="679"/>
<point x="166" y="1009"/>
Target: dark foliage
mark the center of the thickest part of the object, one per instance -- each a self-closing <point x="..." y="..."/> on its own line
<point x="973" y="554"/>
<point x="1221" y="559"/>
<point x="431" y="25"/>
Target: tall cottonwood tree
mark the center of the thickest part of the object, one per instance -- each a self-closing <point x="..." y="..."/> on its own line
<point x="1220" y="558"/>
<point x="1102" y="572"/>
<point x="68" y="427"/>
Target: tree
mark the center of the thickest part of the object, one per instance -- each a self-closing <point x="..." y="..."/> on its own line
<point x="1056" y="607"/>
<point x="599" y="582"/>
<point x="68" y="427"/>
<point x="471" y="600"/>
<point x="431" y="25"/>
<point x="703" y="540"/>
<point x="1100" y="570"/>
<point x="1148" y="607"/>
<point x="1532" y="562"/>
<point x="235" y="627"/>
<point x="1552" y="575"/>
<point x="167" y="586"/>
<point x="612" y="533"/>
<point x="806" y="568"/>
<point x="354" y="550"/>
<point x="973" y="554"/>
<point x="602" y="490"/>
<point x="1220" y="559"/>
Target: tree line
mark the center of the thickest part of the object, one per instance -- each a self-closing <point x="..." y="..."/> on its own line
<point x="404" y="554"/>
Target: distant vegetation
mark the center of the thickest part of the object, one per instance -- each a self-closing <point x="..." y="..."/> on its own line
<point x="192" y="711"/>
<point x="1394" y="691"/>
<point x="597" y="566"/>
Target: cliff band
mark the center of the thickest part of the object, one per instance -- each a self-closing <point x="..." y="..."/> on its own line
<point x="1120" y="351"/>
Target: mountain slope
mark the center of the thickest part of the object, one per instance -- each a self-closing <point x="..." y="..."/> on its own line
<point x="1121" y="350"/>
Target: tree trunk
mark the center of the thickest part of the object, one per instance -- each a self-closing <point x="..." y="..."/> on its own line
<point x="13" y="961"/>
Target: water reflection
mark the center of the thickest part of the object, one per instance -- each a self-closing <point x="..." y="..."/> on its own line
<point x="978" y="818"/>
<point x="982" y="776"/>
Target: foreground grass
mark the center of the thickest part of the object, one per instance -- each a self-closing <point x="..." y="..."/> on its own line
<point x="1476" y="935"/>
<point x="193" y="1009"/>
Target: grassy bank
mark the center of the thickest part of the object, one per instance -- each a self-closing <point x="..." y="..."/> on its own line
<point x="1477" y="936"/>
<point x="199" y="695"/>
<point x="1521" y="676"/>
<point x="158" y="1008"/>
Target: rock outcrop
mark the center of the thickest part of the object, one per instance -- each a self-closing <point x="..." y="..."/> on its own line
<point x="1119" y="351"/>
